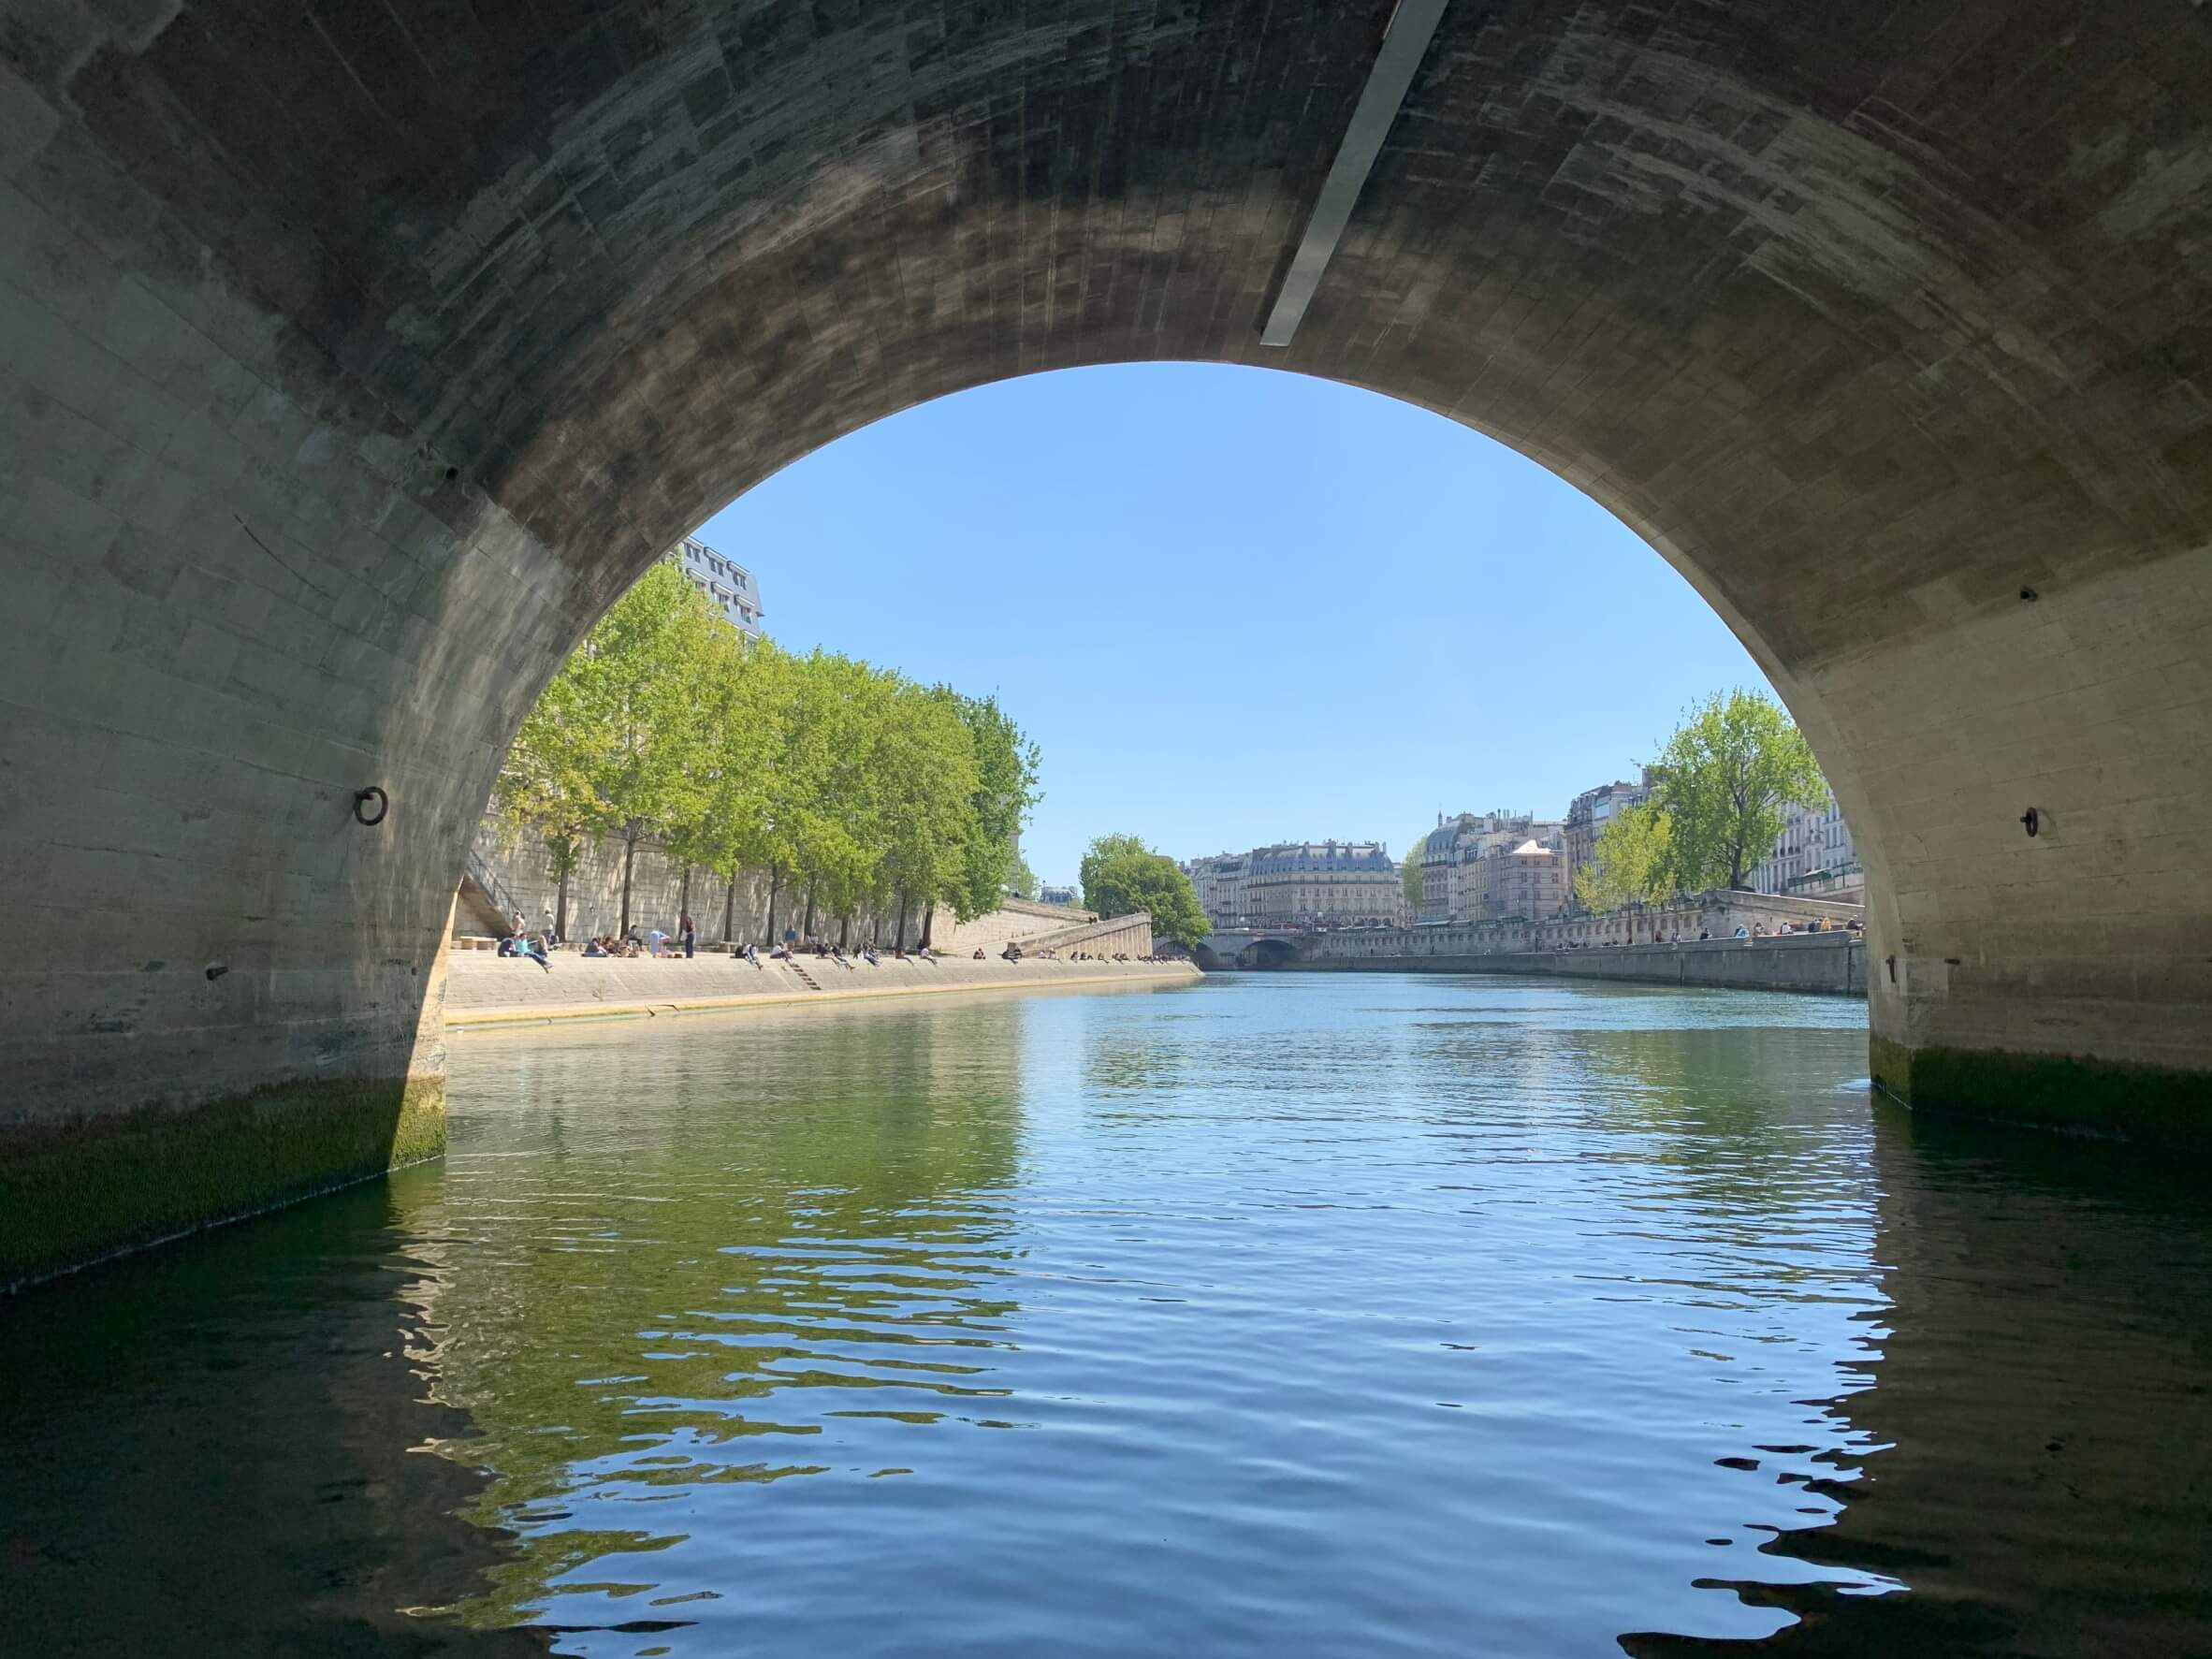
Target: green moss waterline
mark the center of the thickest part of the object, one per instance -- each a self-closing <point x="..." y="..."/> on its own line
<point x="2155" y="1105"/>
<point x="75" y="1193"/>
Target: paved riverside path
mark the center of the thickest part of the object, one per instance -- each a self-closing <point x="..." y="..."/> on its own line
<point x="483" y="989"/>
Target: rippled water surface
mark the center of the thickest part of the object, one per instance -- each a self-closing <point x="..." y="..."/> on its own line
<point x="1283" y="1314"/>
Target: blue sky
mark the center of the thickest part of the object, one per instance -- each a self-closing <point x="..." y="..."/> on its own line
<point x="1236" y="605"/>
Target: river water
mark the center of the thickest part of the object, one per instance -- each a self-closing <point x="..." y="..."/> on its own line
<point x="1269" y="1315"/>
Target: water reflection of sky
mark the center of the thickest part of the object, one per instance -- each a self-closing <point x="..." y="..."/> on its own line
<point x="1295" y="1313"/>
<point x="1369" y="1315"/>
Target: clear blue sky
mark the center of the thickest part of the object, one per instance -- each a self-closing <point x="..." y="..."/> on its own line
<point x="1236" y="605"/>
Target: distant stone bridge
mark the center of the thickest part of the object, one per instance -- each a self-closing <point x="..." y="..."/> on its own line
<point x="1245" y="947"/>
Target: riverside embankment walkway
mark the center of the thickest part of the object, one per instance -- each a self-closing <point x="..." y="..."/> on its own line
<point x="483" y="989"/>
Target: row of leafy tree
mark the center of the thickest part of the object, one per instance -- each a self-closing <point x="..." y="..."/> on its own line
<point x="1719" y="790"/>
<point x="848" y="785"/>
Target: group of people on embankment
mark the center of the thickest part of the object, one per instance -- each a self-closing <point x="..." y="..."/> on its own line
<point x="537" y="945"/>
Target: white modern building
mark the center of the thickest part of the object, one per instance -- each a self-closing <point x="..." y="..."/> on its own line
<point x="729" y="584"/>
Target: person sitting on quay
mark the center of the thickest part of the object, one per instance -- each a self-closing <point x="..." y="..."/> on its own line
<point x="596" y="948"/>
<point x="534" y="948"/>
<point x="867" y="955"/>
<point x="1743" y="933"/>
<point x="979" y="953"/>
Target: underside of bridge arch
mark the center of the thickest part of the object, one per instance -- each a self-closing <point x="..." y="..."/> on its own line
<point x="356" y="356"/>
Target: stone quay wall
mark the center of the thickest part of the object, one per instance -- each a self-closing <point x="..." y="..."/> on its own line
<point x="1014" y="919"/>
<point x="483" y="989"/>
<point x="1831" y="962"/>
<point x="1717" y="913"/>
<point x="1130" y="934"/>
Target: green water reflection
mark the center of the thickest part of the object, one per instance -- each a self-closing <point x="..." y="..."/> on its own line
<point x="1275" y="1315"/>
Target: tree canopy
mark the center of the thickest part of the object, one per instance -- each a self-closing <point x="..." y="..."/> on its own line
<point x="1121" y="875"/>
<point x="1719" y="792"/>
<point x="1722" y="781"/>
<point x="1632" y="862"/>
<point x="1409" y="872"/>
<point x="823" y="769"/>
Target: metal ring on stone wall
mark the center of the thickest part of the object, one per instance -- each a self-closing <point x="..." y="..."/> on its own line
<point x="361" y="799"/>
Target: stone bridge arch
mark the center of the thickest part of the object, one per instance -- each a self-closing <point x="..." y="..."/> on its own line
<point x="357" y="357"/>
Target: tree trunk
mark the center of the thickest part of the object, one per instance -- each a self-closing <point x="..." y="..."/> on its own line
<point x="774" y="884"/>
<point x="629" y="858"/>
<point x="683" y="893"/>
<point x="730" y="909"/>
<point x="844" y="931"/>
<point x="902" y="920"/>
<point x="560" y="901"/>
<point x="928" y="925"/>
<point x="806" y="928"/>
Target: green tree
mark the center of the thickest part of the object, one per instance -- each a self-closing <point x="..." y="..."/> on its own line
<point x="1121" y="875"/>
<point x="740" y="687"/>
<point x="1722" y="781"/>
<point x="1409" y="873"/>
<point x="1006" y="763"/>
<point x="925" y="783"/>
<point x="639" y="669"/>
<point x="1632" y="862"/>
<point x="1023" y="883"/>
<point x="836" y="833"/>
<point x="549" y="785"/>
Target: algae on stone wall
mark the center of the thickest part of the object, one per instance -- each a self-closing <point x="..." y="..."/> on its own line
<point x="73" y="1193"/>
<point x="2147" y="1103"/>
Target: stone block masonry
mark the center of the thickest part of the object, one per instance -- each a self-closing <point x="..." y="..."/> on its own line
<point x="347" y="373"/>
<point x="493" y="990"/>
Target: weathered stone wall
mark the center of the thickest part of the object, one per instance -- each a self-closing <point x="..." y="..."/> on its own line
<point x="488" y="989"/>
<point x="1016" y="917"/>
<point x="1129" y="935"/>
<point x="348" y="372"/>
